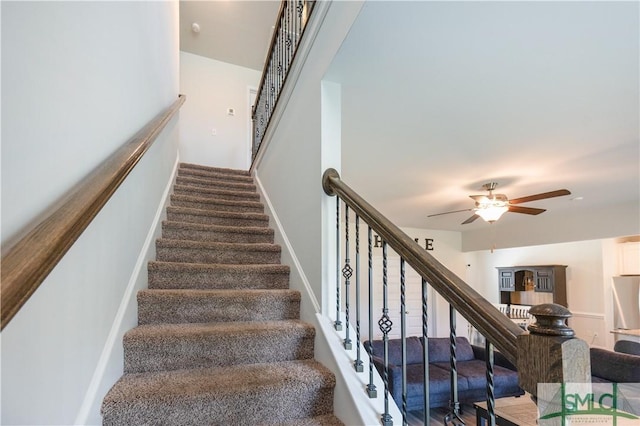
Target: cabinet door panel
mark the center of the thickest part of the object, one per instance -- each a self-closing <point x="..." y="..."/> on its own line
<point x="507" y="280"/>
<point x="544" y="281"/>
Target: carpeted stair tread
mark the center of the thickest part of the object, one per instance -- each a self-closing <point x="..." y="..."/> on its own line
<point x="214" y="174"/>
<point x="223" y="194"/>
<point x="220" y="233"/>
<point x="219" y="340"/>
<point x="215" y="169"/>
<point x="158" y="347"/>
<point x="184" y="306"/>
<point x="216" y="204"/>
<point x="212" y="276"/>
<point x="237" y="395"/>
<point x="204" y="182"/>
<point x="212" y="217"/>
<point x="168" y="250"/>
<point x="325" y="420"/>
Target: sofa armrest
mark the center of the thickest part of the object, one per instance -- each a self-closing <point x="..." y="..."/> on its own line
<point x="498" y="358"/>
<point x="615" y="366"/>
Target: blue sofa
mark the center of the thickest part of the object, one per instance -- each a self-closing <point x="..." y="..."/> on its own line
<point x="614" y="367"/>
<point x="472" y="383"/>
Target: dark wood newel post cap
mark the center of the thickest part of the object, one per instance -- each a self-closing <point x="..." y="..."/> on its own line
<point x="551" y="320"/>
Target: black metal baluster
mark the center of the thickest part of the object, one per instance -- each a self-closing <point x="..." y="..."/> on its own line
<point x="358" y="365"/>
<point x="425" y="353"/>
<point x="347" y="271"/>
<point x="371" y="388"/>
<point x="403" y="339"/>
<point x="385" y="326"/>
<point x="454" y="405"/>
<point x="491" y="401"/>
<point x="338" y="323"/>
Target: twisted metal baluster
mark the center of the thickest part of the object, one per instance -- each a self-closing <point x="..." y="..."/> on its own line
<point x="425" y="354"/>
<point x="491" y="402"/>
<point x="337" y="324"/>
<point x="385" y="326"/>
<point x="371" y="388"/>
<point x="403" y="339"/>
<point x="347" y="271"/>
<point x="358" y="365"/>
<point x="454" y="405"/>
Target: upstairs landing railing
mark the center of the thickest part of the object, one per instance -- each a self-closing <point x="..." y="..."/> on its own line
<point x="288" y="31"/>
<point x="541" y="354"/>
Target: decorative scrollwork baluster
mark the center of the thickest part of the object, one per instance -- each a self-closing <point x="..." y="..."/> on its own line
<point x="371" y="388"/>
<point x="425" y="353"/>
<point x="491" y="401"/>
<point x="385" y="326"/>
<point x="358" y="365"/>
<point x="347" y="271"/>
<point x="338" y="324"/>
<point x="403" y="338"/>
<point x="454" y="405"/>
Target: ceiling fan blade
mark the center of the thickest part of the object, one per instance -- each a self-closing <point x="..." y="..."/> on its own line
<point x="454" y="211"/>
<point x="526" y="210"/>
<point x="471" y="219"/>
<point x="544" y="195"/>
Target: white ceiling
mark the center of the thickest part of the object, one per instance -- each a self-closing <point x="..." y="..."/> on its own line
<point x="233" y="31"/>
<point x="439" y="98"/>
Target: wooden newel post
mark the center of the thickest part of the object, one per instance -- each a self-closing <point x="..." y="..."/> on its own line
<point x="550" y="352"/>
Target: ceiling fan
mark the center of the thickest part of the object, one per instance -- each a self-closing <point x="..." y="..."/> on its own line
<point x="491" y="207"/>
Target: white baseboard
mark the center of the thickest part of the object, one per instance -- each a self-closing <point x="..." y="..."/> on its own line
<point x="280" y="230"/>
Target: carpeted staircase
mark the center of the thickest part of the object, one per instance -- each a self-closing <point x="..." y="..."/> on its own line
<point x="219" y="340"/>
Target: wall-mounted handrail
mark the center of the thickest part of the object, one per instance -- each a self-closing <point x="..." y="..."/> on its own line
<point x="288" y="31"/>
<point x="27" y="263"/>
<point x="481" y="314"/>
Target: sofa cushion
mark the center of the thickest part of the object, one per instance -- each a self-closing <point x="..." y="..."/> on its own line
<point x="475" y="372"/>
<point x="414" y="350"/>
<point x="439" y="350"/>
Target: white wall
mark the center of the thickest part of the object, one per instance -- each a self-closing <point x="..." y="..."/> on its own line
<point x="78" y="80"/>
<point x="212" y="87"/>
<point x="589" y="275"/>
<point x="293" y="162"/>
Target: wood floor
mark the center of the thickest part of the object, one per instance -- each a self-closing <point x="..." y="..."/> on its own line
<point x="415" y="418"/>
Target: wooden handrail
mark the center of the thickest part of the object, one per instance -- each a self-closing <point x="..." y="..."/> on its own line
<point x="481" y="314"/>
<point x="28" y="262"/>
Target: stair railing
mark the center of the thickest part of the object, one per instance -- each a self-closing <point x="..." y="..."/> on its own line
<point x="289" y="29"/>
<point x="27" y="262"/>
<point x="541" y="355"/>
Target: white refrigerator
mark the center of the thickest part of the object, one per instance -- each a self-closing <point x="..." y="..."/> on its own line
<point x="626" y="302"/>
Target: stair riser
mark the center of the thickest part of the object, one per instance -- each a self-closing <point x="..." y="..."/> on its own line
<point x="235" y="172"/>
<point x="256" y="406"/>
<point x="228" y="256"/>
<point x="172" y="309"/>
<point x="215" y="184"/>
<point x="194" y="191"/>
<point x="220" y="207"/>
<point x="205" y="174"/>
<point x="216" y="236"/>
<point x="208" y="280"/>
<point x="201" y="350"/>
<point x="216" y="220"/>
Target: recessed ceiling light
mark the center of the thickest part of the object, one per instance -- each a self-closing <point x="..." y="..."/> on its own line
<point x="577" y="198"/>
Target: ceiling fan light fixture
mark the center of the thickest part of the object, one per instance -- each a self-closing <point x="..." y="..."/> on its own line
<point x="491" y="212"/>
